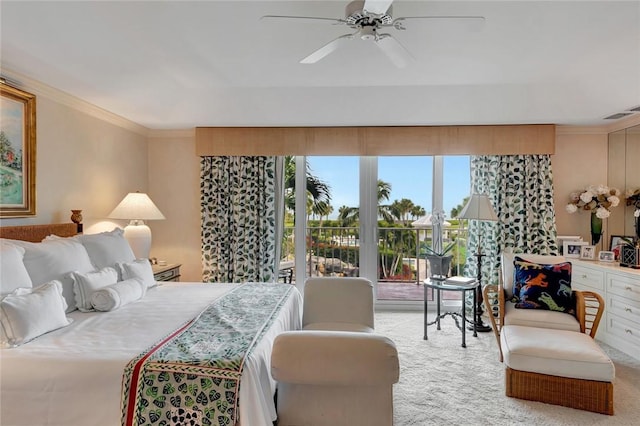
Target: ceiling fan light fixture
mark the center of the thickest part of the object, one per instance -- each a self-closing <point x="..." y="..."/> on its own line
<point x="368" y="33"/>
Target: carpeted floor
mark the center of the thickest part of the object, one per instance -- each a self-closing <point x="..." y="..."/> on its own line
<point x="442" y="383"/>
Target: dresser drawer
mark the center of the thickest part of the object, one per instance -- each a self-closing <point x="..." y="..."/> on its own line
<point x="624" y="308"/>
<point x="627" y="331"/>
<point x="627" y="287"/>
<point x="587" y="278"/>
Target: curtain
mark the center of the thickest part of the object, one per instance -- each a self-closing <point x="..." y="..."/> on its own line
<point x="521" y="191"/>
<point x="238" y="231"/>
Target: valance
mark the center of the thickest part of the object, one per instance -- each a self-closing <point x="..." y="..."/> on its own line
<point x="363" y="141"/>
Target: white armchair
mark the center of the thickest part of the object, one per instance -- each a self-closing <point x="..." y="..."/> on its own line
<point x="502" y="311"/>
<point x="334" y="378"/>
<point x="338" y="304"/>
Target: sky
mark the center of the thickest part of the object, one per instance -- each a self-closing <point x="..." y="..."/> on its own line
<point x="410" y="177"/>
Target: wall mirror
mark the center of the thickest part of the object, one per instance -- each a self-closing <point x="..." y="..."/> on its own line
<point x="623" y="173"/>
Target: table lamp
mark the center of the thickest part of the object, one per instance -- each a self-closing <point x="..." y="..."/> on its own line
<point x="479" y="208"/>
<point x="137" y="207"/>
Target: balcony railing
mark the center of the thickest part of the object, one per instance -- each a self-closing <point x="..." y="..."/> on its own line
<point x="334" y="251"/>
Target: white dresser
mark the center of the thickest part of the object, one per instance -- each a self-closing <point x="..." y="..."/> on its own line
<point x="620" y="288"/>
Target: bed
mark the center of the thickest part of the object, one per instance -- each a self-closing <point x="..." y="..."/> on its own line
<point x="75" y="375"/>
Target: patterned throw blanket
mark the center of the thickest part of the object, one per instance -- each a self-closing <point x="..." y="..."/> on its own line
<point x="193" y="375"/>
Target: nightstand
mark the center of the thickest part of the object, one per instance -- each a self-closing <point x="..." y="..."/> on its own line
<point x="169" y="272"/>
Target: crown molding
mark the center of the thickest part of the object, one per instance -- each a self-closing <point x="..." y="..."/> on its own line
<point x="38" y="88"/>
<point x="625" y="123"/>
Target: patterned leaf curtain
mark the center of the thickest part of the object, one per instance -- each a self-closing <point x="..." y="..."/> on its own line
<point x="521" y="191"/>
<point x="238" y="208"/>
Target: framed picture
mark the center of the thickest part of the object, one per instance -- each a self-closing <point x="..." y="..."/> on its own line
<point x="606" y="256"/>
<point x="573" y="248"/>
<point x="563" y="238"/>
<point x="617" y="241"/>
<point x="588" y="252"/>
<point x="17" y="152"/>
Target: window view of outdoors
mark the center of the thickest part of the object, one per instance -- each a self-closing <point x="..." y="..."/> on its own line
<point x="404" y="205"/>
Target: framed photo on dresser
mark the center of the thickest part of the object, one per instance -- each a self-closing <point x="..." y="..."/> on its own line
<point x="606" y="256"/>
<point x="618" y="241"/>
<point x="573" y="248"/>
<point x="588" y="252"/>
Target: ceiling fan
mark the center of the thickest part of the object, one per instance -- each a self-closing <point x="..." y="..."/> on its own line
<point x="368" y="17"/>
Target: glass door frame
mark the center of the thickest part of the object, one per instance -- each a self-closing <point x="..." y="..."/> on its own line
<point x="368" y="185"/>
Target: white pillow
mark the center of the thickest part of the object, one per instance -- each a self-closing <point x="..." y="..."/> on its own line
<point x="107" y="248"/>
<point x="54" y="260"/>
<point x="84" y="285"/>
<point x="140" y="268"/>
<point x="116" y="295"/>
<point x="13" y="274"/>
<point x="28" y="313"/>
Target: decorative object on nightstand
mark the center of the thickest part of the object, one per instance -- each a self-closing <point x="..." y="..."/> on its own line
<point x="166" y="272"/>
<point x="137" y="207"/>
<point x="76" y="217"/>
<point x="479" y="208"/>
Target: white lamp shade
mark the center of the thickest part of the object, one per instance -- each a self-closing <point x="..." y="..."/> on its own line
<point x="478" y="208"/>
<point x="137" y="207"/>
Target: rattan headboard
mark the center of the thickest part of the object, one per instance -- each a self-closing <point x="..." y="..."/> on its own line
<point x="36" y="233"/>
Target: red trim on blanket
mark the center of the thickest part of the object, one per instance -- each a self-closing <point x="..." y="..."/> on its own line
<point x="133" y="391"/>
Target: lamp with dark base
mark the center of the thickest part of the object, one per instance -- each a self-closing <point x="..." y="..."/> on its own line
<point x="479" y="325"/>
<point x="479" y="208"/>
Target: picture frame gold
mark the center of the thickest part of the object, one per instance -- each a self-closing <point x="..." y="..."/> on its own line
<point x="17" y="152"/>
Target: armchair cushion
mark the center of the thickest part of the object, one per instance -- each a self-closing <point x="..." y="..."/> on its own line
<point x="539" y="318"/>
<point x="543" y="286"/>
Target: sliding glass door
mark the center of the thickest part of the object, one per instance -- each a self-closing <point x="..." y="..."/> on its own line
<point x="374" y="218"/>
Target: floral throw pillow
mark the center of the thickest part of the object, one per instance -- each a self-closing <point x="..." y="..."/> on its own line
<point x="540" y="286"/>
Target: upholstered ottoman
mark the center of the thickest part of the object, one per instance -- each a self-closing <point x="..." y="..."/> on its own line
<point x="557" y="367"/>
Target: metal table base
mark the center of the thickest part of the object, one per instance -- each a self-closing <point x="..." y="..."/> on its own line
<point x="439" y="285"/>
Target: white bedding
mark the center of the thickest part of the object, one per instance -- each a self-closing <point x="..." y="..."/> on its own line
<point x="53" y="380"/>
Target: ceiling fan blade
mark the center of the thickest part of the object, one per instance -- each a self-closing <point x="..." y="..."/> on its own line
<point x="475" y="23"/>
<point x="326" y="49"/>
<point x="377" y="7"/>
<point x="304" y="19"/>
<point x="395" y="51"/>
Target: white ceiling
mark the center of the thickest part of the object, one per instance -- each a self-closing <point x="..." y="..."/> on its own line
<point x="180" y="64"/>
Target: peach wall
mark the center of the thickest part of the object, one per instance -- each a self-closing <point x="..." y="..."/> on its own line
<point x="580" y="160"/>
<point x="82" y="162"/>
<point x="174" y="185"/>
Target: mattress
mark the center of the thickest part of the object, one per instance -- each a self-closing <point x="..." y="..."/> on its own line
<point x="73" y="376"/>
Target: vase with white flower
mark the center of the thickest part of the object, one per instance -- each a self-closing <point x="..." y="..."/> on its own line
<point x="633" y="199"/>
<point x="597" y="200"/>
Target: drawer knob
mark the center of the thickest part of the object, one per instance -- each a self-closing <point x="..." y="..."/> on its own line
<point x="628" y="288"/>
<point x="584" y="276"/>
<point x="627" y="309"/>
<point x="628" y="331"/>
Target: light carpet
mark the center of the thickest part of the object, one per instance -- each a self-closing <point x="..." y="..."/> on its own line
<point x="442" y="383"/>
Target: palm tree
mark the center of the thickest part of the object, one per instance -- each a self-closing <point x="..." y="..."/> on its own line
<point x="401" y="209"/>
<point x="455" y="211"/>
<point x="417" y="212"/>
<point x="318" y="191"/>
<point x="351" y="215"/>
